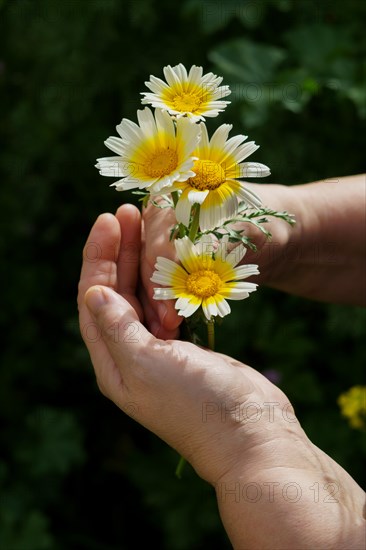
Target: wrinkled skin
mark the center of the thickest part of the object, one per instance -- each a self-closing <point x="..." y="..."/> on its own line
<point x="212" y="409"/>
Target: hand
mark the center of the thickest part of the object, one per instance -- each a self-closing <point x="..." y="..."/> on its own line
<point x="170" y="383"/>
<point x="212" y="409"/>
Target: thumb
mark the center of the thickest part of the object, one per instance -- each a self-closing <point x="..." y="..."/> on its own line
<point x="129" y="366"/>
<point x="118" y="325"/>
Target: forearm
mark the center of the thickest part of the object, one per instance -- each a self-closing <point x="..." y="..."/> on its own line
<point x="309" y="502"/>
<point x="323" y="256"/>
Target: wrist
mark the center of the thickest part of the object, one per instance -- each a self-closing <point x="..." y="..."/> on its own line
<point x="272" y="254"/>
<point x="297" y="502"/>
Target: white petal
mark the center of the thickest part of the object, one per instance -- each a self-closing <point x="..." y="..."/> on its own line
<point x="218" y="140"/>
<point x="195" y="74"/>
<point x="244" y="151"/>
<point x="111" y="170"/>
<point x="183" y="209"/>
<point x="223" y="307"/>
<point x="161" y="279"/>
<point x="204" y="145"/>
<point x="206" y="245"/>
<point x="212" y="78"/>
<point x="216" y="209"/>
<point x="235" y="255"/>
<point x="165" y="126"/>
<point x="254" y="170"/>
<point x="147" y="122"/>
<point x="181" y="303"/>
<point x="185" y="175"/>
<point x="237" y="294"/>
<point x="116" y="145"/>
<point x="165" y="263"/>
<point x="221" y="92"/>
<point x="209" y="308"/>
<point x="230" y="146"/>
<point x="170" y="268"/>
<point x="188" y="135"/>
<point x="165" y="181"/>
<point x="188" y="254"/>
<point x="164" y="294"/>
<point x="197" y="196"/>
<point x="248" y="287"/>
<point x="129" y="131"/>
<point x="171" y="77"/>
<point x="189" y="309"/>
<point x="181" y="72"/>
<point x="156" y="85"/>
<point x="249" y="196"/>
<point x="212" y="307"/>
<point x="244" y="271"/>
<point x="229" y="201"/>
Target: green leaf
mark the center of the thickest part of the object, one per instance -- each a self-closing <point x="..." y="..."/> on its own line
<point x="215" y="15"/>
<point x="315" y="46"/>
<point x="246" y="63"/>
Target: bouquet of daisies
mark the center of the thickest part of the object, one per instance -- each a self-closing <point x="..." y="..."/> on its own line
<point x="169" y="157"/>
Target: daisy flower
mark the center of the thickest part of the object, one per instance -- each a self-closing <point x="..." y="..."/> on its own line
<point x="215" y="185"/>
<point x="191" y="94"/>
<point x="152" y="154"/>
<point x="204" y="279"/>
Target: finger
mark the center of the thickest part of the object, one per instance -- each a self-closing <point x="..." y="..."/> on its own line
<point x="157" y="224"/>
<point x="129" y="219"/>
<point x="124" y="337"/>
<point x="99" y="256"/>
<point x="99" y="267"/>
<point x="152" y="321"/>
<point x="128" y="261"/>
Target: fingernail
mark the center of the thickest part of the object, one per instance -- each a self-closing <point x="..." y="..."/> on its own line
<point x="162" y="311"/>
<point x="95" y="299"/>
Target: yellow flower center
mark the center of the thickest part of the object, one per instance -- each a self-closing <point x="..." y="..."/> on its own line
<point x="209" y="175"/>
<point x="203" y="283"/>
<point x="161" y="163"/>
<point x="187" y="101"/>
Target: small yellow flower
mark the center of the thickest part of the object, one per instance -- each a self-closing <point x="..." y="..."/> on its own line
<point x="205" y="278"/>
<point x="152" y="154"/>
<point x="187" y="94"/>
<point x="353" y="406"/>
<point x="215" y="185"/>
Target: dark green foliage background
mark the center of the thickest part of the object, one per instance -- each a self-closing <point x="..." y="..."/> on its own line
<point x="74" y="471"/>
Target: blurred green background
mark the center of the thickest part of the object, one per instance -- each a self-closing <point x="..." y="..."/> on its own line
<point x="75" y="473"/>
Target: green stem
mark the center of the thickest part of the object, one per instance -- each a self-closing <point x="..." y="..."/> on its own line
<point x="180" y="467"/>
<point x="175" y="198"/>
<point x="195" y="223"/>
<point x="211" y="334"/>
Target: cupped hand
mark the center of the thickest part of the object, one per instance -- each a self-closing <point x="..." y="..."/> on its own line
<point x="187" y="395"/>
<point x="237" y="429"/>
